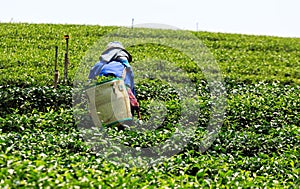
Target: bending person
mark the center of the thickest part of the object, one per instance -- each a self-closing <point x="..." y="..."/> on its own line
<point x="115" y="61"/>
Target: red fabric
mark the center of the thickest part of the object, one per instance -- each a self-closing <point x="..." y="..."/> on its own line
<point x="134" y="104"/>
<point x="133" y="100"/>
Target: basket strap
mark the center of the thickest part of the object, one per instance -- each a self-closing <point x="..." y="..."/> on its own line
<point x="124" y="73"/>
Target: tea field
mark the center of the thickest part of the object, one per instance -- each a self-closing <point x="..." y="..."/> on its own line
<point x="257" y="144"/>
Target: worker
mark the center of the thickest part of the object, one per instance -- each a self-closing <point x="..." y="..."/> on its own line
<point x="115" y="61"/>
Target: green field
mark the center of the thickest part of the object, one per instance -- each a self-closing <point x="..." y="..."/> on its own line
<point x="257" y="145"/>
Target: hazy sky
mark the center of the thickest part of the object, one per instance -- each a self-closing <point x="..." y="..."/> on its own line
<point x="261" y="17"/>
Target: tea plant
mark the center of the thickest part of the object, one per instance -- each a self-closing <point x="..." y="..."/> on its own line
<point x="257" y="147"/>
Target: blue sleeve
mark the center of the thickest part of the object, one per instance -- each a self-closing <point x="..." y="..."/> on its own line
<point x="95" y="70"/>
<point x="129" y="79"/>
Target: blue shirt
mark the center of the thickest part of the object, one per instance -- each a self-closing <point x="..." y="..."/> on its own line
<point x="115" y="68"/>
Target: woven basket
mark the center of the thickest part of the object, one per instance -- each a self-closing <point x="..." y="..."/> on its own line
<point x="109" y="102"/>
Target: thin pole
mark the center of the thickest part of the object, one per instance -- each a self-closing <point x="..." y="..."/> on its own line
<point x="66" y="59"/>
<point x="55" y="68"/>
<point x="132" y="22"/>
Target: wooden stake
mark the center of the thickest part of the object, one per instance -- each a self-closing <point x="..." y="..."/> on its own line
<point x="66" y="59"/>
<point x="55" y="68"/>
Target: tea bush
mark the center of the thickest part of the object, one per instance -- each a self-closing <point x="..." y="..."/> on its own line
<point x="257" y="146"/>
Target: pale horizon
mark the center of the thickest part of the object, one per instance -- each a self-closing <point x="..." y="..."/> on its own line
<point x="256" y="17"/>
